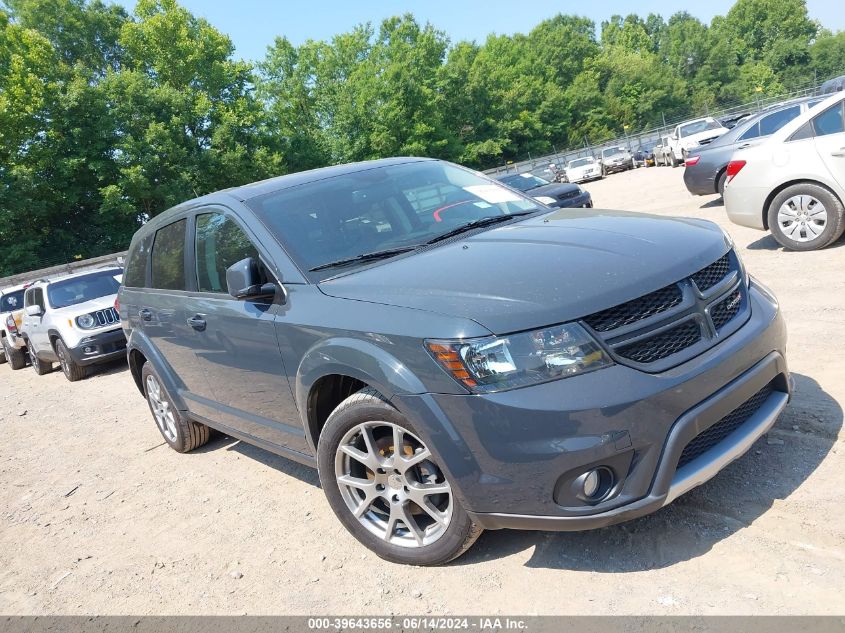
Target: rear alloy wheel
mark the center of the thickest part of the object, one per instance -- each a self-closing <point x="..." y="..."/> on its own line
<point x="806" y="217"/>
<point x="71" y="369"/>
<point x="180" y="433"/>
<point x="41" y="367"/>
<point x="385" y="486"/>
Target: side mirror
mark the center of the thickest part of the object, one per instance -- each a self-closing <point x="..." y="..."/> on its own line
<point x="244" y="282"/>
<point x="34" y="310"/>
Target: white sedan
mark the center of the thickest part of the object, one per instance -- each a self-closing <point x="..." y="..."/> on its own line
<point x="793" y="184"/>
<point x="583" y="169"/>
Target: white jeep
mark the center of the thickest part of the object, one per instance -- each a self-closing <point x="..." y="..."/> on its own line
<point x="72" y="320"/>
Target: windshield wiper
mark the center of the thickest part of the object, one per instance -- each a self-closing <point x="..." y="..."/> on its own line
<point x="475" y="224"/>
<point x="364" y="257"/>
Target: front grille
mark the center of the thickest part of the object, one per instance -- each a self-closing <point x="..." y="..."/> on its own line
<point x="662" y="345"/>
<point x="708" y="277"/>
<point x="106" y="317"/>
<point x="635" y="310"/>
<point x="710" y="437"/>
<point x="726" y="309"/>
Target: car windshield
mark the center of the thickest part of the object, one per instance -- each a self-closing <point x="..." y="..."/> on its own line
<point x="524" y="182"/>
<point x="381" y="208"/>
<point x="699" y="126"/>
<point x="612" y="151"/>
<point x="11" y="301"/>
<point x="68" y="292"/>
<point x="580" y="162"/>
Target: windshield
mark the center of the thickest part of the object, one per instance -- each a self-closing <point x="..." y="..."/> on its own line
<point x="611" y="151"/>
<point x="68" y="292"/>
<point x="699" y="126"/>
<point x="12" y="301"/>
<point x="524" y="182"/>
<point x="380" y="208"/>
<point x="580" y="162"/>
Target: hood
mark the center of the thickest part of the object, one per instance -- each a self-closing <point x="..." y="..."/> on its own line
<point x="553" y="190"/>
<point x="85" y="307"/>
<point x="704" y="137"/>
<point x="544" y="270"/>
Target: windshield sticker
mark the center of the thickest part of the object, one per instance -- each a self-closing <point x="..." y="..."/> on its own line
<point x="492" y="193"/>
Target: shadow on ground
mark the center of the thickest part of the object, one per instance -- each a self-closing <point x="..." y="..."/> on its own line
<point x="769" y="243"/>
<point x="693" y="524"/>
<point x="718" y="202"/>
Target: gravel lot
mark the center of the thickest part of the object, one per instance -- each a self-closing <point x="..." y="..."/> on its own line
<point x="97" y="516"/>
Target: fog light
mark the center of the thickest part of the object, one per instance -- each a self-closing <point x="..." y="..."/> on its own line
<point x="89" y="350"/>
<point x="595" y="484"/>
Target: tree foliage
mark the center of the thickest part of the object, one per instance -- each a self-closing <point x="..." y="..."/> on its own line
<point x="107" y="118"/>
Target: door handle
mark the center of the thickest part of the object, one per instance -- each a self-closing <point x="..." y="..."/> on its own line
<point x="744" y="145"/>
<point x="145" y="314"/>
<point x="197" y="322"/>
<point x="839" y="153"/>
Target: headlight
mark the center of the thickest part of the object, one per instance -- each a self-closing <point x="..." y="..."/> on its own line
<point x="545" y="199"/>
<point x="518" y="360"/>
<point x="86" y="321"/>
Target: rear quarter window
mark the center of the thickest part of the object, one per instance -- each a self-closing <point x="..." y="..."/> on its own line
<point x="135" y="275"/>
<point x="168" y="257"/>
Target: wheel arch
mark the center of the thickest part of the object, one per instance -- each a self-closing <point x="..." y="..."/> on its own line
<point x="796" y="181"/>
<point x="140" y="350"/>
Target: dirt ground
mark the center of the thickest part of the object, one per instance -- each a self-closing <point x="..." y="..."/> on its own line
<point x="98" y="517"/>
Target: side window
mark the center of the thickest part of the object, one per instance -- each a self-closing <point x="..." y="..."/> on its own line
<point x="830" y="121"/>
<point x="135" y="274"/>
<point x="220" y="242"/>
<point x="803" y="132"/>
<point x="752" y="132"/>
<point x="775" y="121"/>
<point x="168" y="257"/>
<point x="34" y="297"/>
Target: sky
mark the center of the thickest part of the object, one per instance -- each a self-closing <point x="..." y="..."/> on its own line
<point x="254" y="24"/>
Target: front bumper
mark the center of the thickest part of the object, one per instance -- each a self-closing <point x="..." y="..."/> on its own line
<point x="99" y="348"/>
<point x="512" y="455"/>
<point x="612" y="168"/>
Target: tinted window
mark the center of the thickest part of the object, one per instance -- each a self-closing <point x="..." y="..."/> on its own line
<point x="773" y="122"/>
<point x="168" y="257"/>
<point x="805" y="131"/>
<point x="135" y="275"/>
<point x="381" y="208"/>
<point x="69" y="292"/>
<point x="830" y="121"/>
<point x="220" y="243"/>
<point x="752" y="132"/>
<point x="12" y="301"/>
<point x="524" y="182"/>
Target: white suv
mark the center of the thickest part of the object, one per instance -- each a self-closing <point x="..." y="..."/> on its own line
<point x="72" y="320"/>
<point x="11" y="310"/>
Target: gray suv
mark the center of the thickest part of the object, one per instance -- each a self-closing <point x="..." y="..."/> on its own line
<point x="451" y="355"/>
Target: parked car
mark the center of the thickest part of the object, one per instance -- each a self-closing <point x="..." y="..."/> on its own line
<point x="615" y="159"/>
<point x="11" y="311"/>
<point x="644" y="156"/>
<point x="662" y="152"/>
<point x="448" y="354"/>
<point x="833" y="85"/>
<point x="691" y="134"/>
<point x="583" y="169"/>
<point x="549" y="193"/>
<point x="556" y="174"/>
<point x="793" y="184"/>
<point x="72" y="320"/>
<point x="706" y="166"/>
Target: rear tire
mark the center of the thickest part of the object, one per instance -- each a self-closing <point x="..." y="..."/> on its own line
<point x="70" y="368"/>
<point x="41" y="367"/>
<point x="15" y="356"/>
<point x="720" y="184"/>
<point x="806" y="217"/>
<point x="180" y="433"/>
<point x="358" y="444"/>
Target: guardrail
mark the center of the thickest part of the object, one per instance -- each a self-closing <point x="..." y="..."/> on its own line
<point x="63" y="269"/>
<point x="650" y="136"/>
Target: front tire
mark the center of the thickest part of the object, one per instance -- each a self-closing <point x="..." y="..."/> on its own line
<point x="386" y="487"/>
<point x="15" y="356"/>
<point x="806" y="217"/>
<point x="180" y="433"/>
<point x="70" y="368"/>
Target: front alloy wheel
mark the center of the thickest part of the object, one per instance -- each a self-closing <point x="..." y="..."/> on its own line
<point x="387" y="486"/>
<point x="389" y="483"/>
